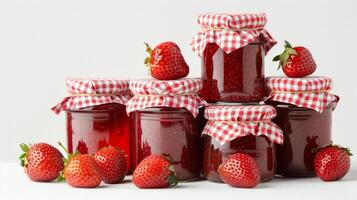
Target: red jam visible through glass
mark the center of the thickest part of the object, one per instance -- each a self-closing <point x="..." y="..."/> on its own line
<point x="234" y="77"/>
<point x="260" y="148"/>
<point x="304" y="130"/>
<point x="170" y="131"/>
<point x="89" y="129"/>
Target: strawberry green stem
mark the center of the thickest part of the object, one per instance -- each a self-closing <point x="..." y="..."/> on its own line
<point x="284" y="57"/>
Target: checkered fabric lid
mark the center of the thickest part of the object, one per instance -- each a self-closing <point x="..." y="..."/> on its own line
<point x="92" y="92"/>
<point x="182" y="93"/>
<point x="227" y="122"/>
<point x="309" y="92"/>
<point x="231" y="31"/>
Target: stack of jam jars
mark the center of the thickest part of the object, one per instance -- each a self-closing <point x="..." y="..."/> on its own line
<point x="95" y="114"/>
<point x="304" y="107"/>
<point x="232" y="48"/>
<point x="165" y="118"/>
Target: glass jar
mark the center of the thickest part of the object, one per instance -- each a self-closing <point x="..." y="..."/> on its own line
<point x="304" y="130"/>
<point x="171" y="131"/>
<point x="91" y="128"/>
<point x="234" y="77"/>
<point x="260" y="148"/>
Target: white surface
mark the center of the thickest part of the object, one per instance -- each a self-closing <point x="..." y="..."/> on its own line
<point x="44" y="41"/>
<point x="15" y="184"/>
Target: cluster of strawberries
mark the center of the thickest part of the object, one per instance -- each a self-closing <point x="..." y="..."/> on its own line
<point x="44" y="163"/>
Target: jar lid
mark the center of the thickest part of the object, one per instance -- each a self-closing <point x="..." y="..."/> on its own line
<point x="182" y="93"/>
<point x="92" y="92"/>
<point x="308" y="92"/>
<point x="240" y="113"/>
<point x="231" y="31"/>
<point x="226" y="123"/>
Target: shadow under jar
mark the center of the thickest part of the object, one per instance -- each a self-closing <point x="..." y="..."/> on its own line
<point x="304" y="130"/>
<point x="260" y="148"/>
<point x="234" y="77"/>
<point x="171" y="131"/>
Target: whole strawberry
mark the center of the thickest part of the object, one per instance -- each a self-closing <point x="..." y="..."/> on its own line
<point x="155" y="171"/>
<point x="296" y="62"/>
<point x="42" y="162"/>
<point x="165" y="62"/>
<point x="112" y="164"/>
<point x="82" y="171"/>
<point x="332" y="162"/>
<point x="240" y="170"/>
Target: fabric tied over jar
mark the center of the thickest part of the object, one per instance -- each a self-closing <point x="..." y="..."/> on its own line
<point x="182" y="93"/>
<point x="84" y="93"/>
<point x="226" y="123"/>
<point x="309" y="92"/>
<point x="231" y="31"/>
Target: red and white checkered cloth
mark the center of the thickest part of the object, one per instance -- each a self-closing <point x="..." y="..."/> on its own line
<point x="227" y="122"/>
<point x="92" y="92"/>
<point x="182" y="93"/>
<point x="231" y="31"/>
<point x="309" y="92"/>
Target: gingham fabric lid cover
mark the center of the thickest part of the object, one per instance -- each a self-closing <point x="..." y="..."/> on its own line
<point x="91" y="92"/>
<point x="227" y="122"/>
<point x="309" y="92"/>
<point x="182" y="93"/>
<point x="231" y="31"/>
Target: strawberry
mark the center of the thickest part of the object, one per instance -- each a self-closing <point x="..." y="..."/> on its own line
<point x="155" y="171"/>
<point x="42" y="162"/>
<point x="112" y="164"/>
<point x="240" y="170"/>
<point x="332" y="162"/>
<point x="165" y="62"/>
<point x="80" y="170"/>
<point x="296" y="62"/>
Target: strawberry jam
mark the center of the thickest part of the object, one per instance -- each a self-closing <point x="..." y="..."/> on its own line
<point x="171" y="131"/>
<point x="91" y="128"/>
<point x="260" y="148"/>
<point x="304" y="130"/>
<point x="234" y="77"/>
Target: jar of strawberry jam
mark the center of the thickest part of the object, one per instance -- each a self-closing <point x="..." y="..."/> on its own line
<point x="304" y="113"/>
<point x="232" y="51"/>
<point x="165" y="119"/>
<point x="240" y="128"/>
<point x="96" y="115"/>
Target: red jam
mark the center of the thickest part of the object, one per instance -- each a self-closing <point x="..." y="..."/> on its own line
<point x="91" y="128"/>
<point x="234" y="77"/>
<point x="260" y="148"/>
<point x="170" y="131"/>
<point x="304" y="130"/>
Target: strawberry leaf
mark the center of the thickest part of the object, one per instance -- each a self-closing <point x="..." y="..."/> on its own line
<point x="173" y="180"/>
<point x="276" y="58"/>
<point x="287" y="44"/>
<point x="22" y="163"/>
<point x="148" y="48"/>
<point x="291" y="51"/>
<point x="284" y="59"/>
<point x="61" y="177"/>
<point x="147" y="61"/>
<point x="24" y="147"/>
<point x="22" y="156"/>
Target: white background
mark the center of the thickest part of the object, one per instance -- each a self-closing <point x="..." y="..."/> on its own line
<point x="44" y="41"/>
